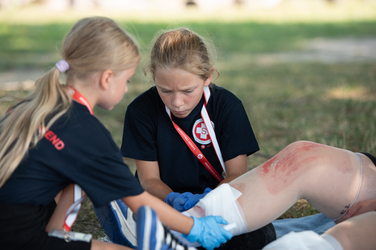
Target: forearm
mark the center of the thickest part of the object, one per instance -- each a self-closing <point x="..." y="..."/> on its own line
<point x="157" y="188"/>
<point x="235" y="168"/>
<point x="148" y="174"/>
<point x="169" y="216"/>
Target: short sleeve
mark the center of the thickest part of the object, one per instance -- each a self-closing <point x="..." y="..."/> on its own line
<point x="139" y="132"/>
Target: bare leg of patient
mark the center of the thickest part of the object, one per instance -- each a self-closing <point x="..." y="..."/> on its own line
<point x="356" y="233"/>
<point x="327" y="177"/>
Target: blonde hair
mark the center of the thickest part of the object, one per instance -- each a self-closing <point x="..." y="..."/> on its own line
<point x="92" y="45"/>
<point x="184" y="49"/>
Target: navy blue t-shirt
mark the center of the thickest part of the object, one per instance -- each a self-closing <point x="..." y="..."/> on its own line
<point x="150" y="136"/>
<point x="77" y="149"/>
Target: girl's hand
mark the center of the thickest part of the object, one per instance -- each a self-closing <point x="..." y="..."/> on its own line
<point x="177" y="200"/>
<point x="208" y="232"/>
<point x="360" y="208"/>
<point x="192" y="200"/>
<point x="184" y="201"/>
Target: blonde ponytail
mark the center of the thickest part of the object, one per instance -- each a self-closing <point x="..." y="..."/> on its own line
<point x="22" y="126"/>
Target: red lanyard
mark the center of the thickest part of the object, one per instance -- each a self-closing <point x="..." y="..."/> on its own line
<point x="72" y="213"/>
<point x="192" y="146"/>
<point x="81" y="99"/>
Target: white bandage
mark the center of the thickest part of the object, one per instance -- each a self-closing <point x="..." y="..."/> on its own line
<point x="222" y="201"/>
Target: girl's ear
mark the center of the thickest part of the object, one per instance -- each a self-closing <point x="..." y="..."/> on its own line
<point x="208" y="81"/>
<point x="106" y="79"/>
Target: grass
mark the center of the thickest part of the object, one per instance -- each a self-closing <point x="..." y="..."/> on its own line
<point x="332" y="104"/>
<point x="20" y="44"/>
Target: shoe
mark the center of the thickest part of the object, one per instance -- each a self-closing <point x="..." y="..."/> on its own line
<point x="118" y="223"/>
<point x="153" y="235"/>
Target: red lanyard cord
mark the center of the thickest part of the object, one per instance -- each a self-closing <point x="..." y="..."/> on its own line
<point x="72" y="213"/>
<point x="192" y="146"/>
<point x="81" y="99"/>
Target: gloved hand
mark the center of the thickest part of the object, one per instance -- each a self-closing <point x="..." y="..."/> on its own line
<point x="184" y="201"/>
<point x="192" y="200"/>
<point x="177" y="200"/>
<point x="208" y="232"/>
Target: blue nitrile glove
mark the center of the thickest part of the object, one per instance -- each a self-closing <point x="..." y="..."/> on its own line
<point x="208" y="232"/>
<point x="184" y="201"/>
<point x="177" y="200"/>
<point x="192" y="200"/>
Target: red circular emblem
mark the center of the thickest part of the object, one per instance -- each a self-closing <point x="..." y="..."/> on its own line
<point x="200" y="132"/>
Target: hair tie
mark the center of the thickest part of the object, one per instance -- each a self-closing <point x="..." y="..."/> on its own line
<point x="62" y="66"/>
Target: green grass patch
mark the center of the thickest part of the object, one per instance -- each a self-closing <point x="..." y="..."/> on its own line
<point x="37" y="46"/>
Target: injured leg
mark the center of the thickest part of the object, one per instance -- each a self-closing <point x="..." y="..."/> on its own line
<point x="325" y="176"/>
<point x="328" y="177"/>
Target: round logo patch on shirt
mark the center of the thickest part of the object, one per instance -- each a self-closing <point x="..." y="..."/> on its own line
<point x="200" y="132"/>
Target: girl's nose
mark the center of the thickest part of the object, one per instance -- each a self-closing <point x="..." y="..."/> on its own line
<point x="177" y="100"/>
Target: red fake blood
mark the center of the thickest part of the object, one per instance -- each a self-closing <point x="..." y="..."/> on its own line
<point x="281" y="170"/>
